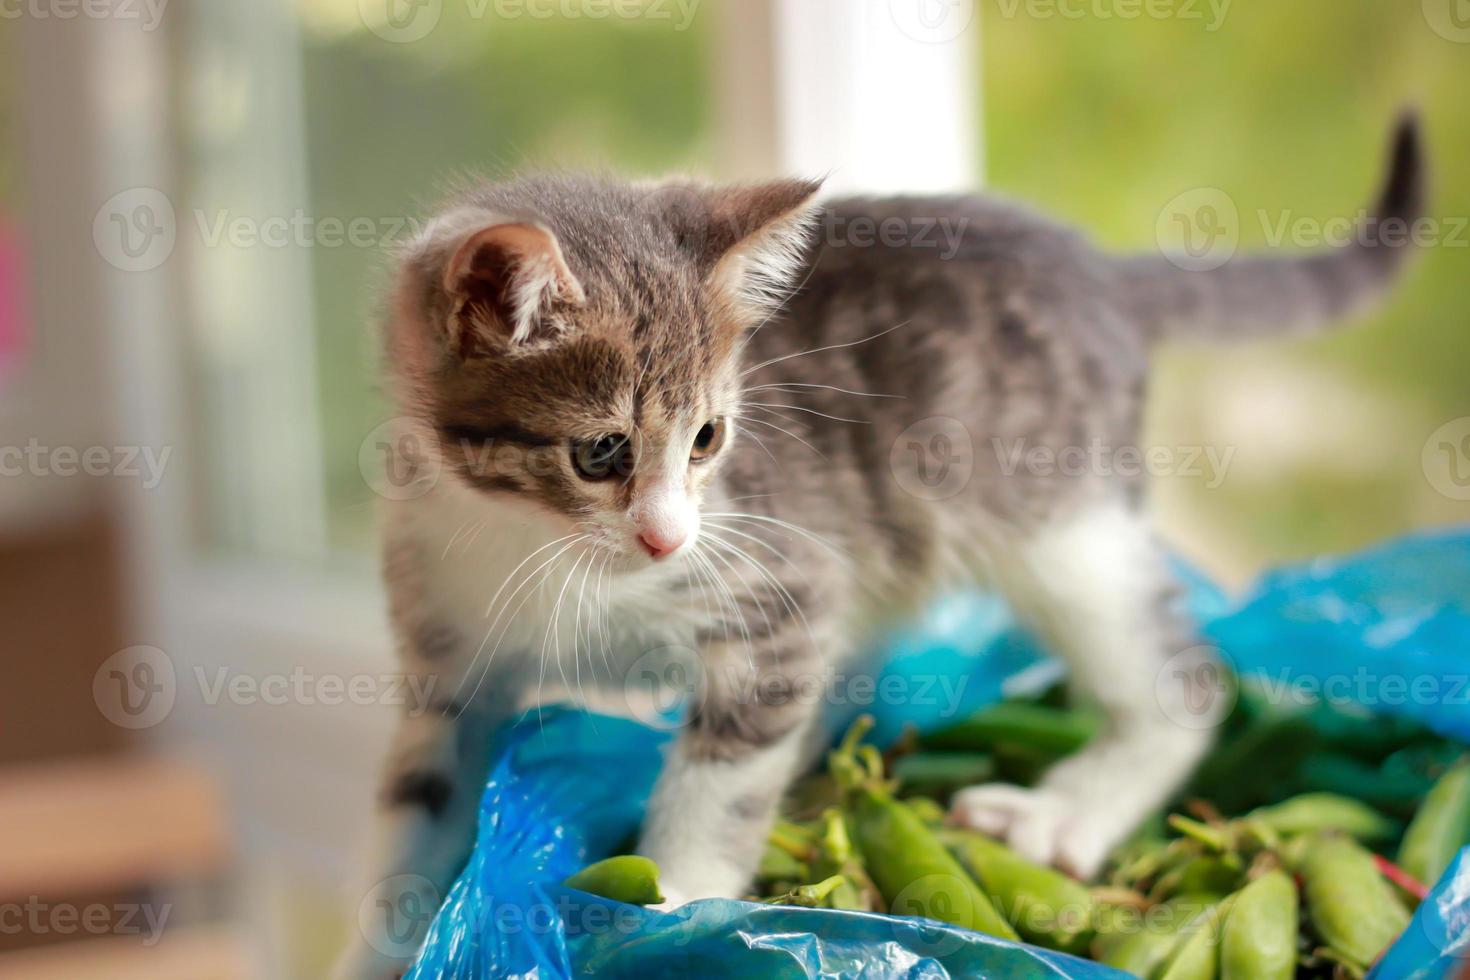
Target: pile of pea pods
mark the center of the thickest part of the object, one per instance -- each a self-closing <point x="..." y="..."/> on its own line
<point x="1299" y="850"/>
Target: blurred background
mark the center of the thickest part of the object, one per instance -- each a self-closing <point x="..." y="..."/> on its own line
<point x="197" y="198"/>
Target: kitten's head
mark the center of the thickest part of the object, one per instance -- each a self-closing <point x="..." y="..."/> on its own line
<point x="574" y="342"/>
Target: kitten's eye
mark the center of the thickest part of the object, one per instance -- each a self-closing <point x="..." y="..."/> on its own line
<point x="708" y="440"/>
<point x="600" y="459"/>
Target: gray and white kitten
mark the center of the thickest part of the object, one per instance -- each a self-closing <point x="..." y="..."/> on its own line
<point x="669" y="417"/>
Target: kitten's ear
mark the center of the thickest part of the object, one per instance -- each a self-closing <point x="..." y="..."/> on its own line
<point x="502" y="279"/>
<point x="750" y="238"/>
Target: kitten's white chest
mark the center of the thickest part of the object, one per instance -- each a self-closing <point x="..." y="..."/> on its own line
<point x="536" y="601"/>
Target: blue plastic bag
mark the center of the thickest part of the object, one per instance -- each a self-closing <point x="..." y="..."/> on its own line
<point x="1389" y="629"/>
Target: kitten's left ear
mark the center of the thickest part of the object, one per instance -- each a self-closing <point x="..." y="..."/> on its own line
<point x="751" y="238"/>
<point x="501" y="279"/>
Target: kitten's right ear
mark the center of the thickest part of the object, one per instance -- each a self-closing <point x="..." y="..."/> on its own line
<point x="502" y="278"/>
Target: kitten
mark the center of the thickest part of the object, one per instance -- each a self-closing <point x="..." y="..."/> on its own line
<point x="683" y="396"/>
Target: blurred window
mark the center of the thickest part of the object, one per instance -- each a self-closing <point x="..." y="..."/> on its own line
<point x="314" y="141"/>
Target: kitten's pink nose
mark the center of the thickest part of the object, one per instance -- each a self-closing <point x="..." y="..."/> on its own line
<point x="661" y="544"/>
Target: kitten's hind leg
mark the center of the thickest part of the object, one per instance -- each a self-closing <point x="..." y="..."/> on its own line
<point x="1096" y="590"/>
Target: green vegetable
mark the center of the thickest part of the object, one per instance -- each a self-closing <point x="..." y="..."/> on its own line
<point x="1142" y="945"/>
<point x="1440" y="828"/>
<point x="1056" y="731"/>
<point x="1196" y="956"/>
<point x="629" y="878"/>
<point x="912" y="869"/>
<point x="811" y="896"/>
<point x="1313" y="812"/>
<point x="941" y="773"/>
<point x="1045" y="906"/>
<point x="1258" y="941"/>
<point x="1352" y="908"/>
<point x="778" y="865"/>
<point x="928" y="810"/>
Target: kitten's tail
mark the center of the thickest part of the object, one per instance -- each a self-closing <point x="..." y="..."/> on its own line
<point x="1263" y="295"/>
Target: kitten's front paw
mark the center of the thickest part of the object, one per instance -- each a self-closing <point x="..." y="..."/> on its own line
<point x="1040" y="825"/>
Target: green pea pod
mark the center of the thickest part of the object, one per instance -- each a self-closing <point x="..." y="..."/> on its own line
<point x="1055" y="731"/>
<point x="941" y="773"/>
<point x="1045" y="906"/>
<point x="1197" y="956"/>
<point x="1352" y="908"/>
<point x="1142" y="945"/>
<point x="629" y="878"/>
<point x="778" y="865"/>
<point x="1440" y="828"/>
<point x="1207" y="873"/>
<point x="928" y="810"/>
<point x="1313" y="812"/>
<point x="913" y="870"/>
<point x="1258" y="941"/>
